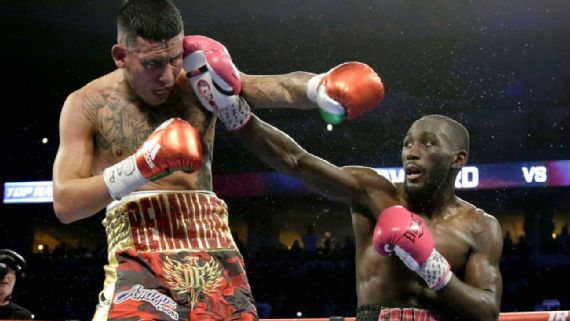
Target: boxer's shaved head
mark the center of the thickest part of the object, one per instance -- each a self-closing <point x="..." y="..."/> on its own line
<point x="153" y="20"/>
<point x="458" y="133"/>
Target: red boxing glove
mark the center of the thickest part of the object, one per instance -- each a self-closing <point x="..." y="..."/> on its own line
<point x="405" y="233"/>
<point x="173" y="146"/>
<point x="215" y="80"/>
<point x="348" y="90"/>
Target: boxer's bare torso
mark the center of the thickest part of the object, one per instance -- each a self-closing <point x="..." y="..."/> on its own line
<point x="456" y="229"/>
<point x="121" y="122"/>
<point x="467" y="238"/>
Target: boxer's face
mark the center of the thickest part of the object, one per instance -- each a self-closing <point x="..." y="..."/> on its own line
<point x="152" y="67"/>
<point x="427" y="157"/>
<point x="7" y="283"/>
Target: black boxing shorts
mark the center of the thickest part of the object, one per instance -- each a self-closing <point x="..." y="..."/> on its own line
<point x="379" y="313"/>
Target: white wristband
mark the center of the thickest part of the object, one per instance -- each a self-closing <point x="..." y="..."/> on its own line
<point x="435" y="271"/>
<point x="236" y="116"/>
<point x="331" y="110"/>
<point x="313" y="86"/>
<point x="123" y="178"/>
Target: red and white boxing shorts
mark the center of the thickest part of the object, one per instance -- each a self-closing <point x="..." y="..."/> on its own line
<point x="172" y="257"/>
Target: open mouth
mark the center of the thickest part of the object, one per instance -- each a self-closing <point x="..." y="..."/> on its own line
<point x="413" y="172"/>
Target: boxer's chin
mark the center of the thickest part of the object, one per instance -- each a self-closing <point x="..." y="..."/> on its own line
<point x="424" y="189"/>
<point x="415" y="190"/>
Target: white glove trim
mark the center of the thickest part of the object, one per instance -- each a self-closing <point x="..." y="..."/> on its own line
<point x="408" y="260"/>
<point x="313" y="85"/>
<point x="435" y="270"/>
<point x="123" y="178"/>
<point x="317" y="93"/>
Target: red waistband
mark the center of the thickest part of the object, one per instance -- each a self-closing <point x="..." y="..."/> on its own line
<point x="408" y="314"/>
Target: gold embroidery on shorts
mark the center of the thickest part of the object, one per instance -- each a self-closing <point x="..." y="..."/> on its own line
<point x="117" y="227"/>
<point x="169" y="222"/>
<point x="193" y="277"/>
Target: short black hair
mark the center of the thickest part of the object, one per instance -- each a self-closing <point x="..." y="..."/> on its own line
<point x="459" y="134"/>
<point x="152" y="20"/>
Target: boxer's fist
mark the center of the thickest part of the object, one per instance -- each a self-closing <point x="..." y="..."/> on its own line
<point x="215" y="80"/>
<point x="173" y="146"/>
<point x="346" y="91"/>
<point x="405" y="233"/>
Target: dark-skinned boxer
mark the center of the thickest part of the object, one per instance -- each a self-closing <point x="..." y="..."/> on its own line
<point x="422" y="253"/>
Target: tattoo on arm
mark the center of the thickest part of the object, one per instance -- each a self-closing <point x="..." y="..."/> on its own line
<point x="279" y="91"/>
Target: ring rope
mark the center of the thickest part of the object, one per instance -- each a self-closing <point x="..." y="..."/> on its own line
<point x="507" y="316"/>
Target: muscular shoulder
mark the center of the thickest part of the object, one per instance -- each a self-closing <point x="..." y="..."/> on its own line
<point x="484" y="226"/>
<point x="379" y="192"/>
<point x="94" y="96"/>
<point x="369" y="178"/>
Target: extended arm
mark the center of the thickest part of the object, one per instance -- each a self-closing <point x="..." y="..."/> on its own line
<point x="276" y="148"/>
<point x="350" y="88"/>
<point x="278" y="91"/>
<point x="217" y="83"/>
<point x="479" y="296"/>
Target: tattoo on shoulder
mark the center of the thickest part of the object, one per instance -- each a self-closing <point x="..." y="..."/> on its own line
<point x="91" y="104"/>
<point x="122" y="123"/>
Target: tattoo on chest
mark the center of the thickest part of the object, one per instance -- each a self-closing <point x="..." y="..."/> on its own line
<point x="119" y="126"/>
<point x="124" y="123"/>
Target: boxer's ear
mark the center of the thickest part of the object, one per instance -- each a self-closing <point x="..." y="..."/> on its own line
<point x="459" y="160"/>
<point x="119" y="54"/>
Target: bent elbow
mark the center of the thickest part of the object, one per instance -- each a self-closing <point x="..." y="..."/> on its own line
<point x="62" y="212"/>
<point x="491" y="313"/>
<point x="62" y="216"/>
<point x="494" y="314"/>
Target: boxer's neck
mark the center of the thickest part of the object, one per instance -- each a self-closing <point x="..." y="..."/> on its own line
<point x="435" y="203"/>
